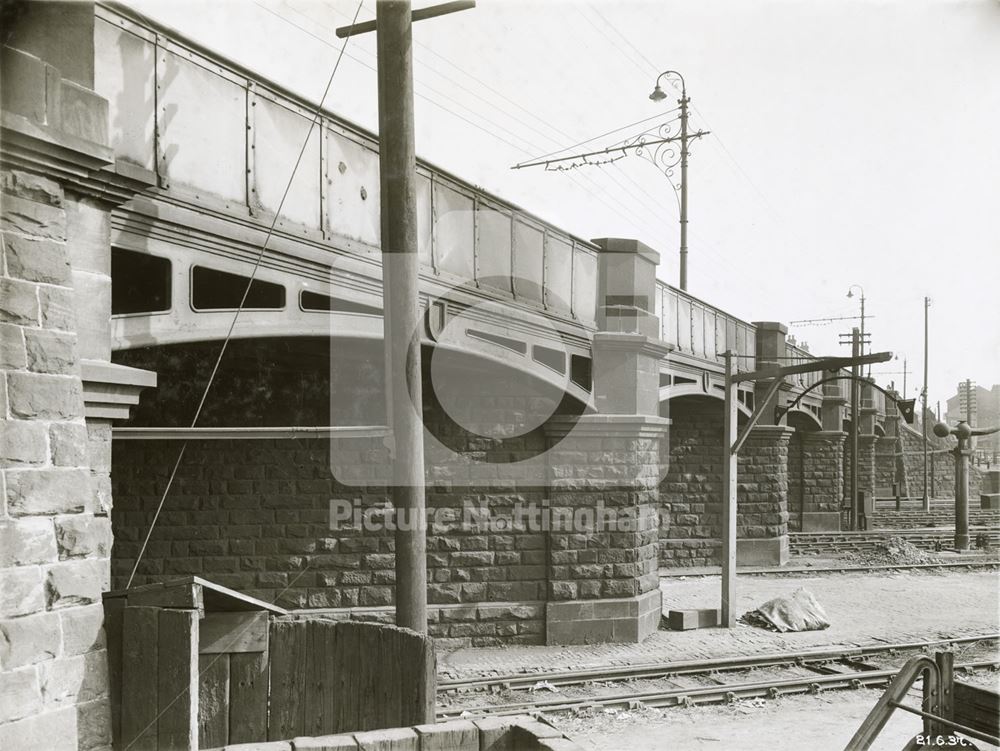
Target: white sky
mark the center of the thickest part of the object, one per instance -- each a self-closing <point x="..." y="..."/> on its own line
<point x="854" y="142"/>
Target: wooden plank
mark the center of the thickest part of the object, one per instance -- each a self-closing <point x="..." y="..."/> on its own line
<point x="184" y="594"/>
<point x="233" y="632"/>
<point x="140" y="629"/>
<point x="214" y="698"/>
<point x="248" y="697"/>
<point x="177" y="680"/>
<point x="114" y="616"/>
<point x="320" y="697"/>
<point x="977" y="707"/>
<point x="289" y="664"/>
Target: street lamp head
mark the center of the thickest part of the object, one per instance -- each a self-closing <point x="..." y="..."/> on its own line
<point x="850" y="293"/>
<point x="657" y="95"/>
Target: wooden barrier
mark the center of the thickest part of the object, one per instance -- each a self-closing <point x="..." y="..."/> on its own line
<point x="194" y="665"/>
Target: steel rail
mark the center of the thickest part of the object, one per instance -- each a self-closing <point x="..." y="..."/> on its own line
<point x="703" y="694"/>
<point x="839" y="569"/>
<point x="687" y="667"/>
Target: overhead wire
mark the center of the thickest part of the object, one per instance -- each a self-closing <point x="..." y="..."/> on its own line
<point x="239" y="308"/>
<point x="601" y="197"/>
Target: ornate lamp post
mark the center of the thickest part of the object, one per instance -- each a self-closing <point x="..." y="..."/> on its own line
<point x="659" y="95"/>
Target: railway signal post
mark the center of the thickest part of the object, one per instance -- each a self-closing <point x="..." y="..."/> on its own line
<point x="733" y="442"/>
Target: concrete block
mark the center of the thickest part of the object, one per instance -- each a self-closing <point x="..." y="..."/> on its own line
<point x="455" y="735"/>
<point x="495" y="734"/>
<point x="325" y="743"/>
<point x="685" y="620"/>
<point x="261" y="746"/>
<point x="989" y="500"/>
<point x="763" y="551"/>
<point x="527" y="732"/>
<point x="821" y="521"/>
<point x="390" y="739"/>
<point x="557" y="744"/>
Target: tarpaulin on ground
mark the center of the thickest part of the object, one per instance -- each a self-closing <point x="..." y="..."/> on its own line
<point x="798" y="612"/>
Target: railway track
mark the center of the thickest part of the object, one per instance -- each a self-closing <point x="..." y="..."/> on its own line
<point x="801" y="672"/>
<point x="673" y="573"/>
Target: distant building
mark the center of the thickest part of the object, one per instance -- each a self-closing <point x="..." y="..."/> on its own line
<point x="985" y="412"/>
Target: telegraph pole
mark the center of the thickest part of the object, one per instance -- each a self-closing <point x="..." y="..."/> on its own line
<point x="855" y="417"/>
<point x="923" y="414"/>
<point x="393" y="29"/>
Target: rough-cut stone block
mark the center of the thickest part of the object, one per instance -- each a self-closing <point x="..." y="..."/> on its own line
<point x="261" y="746"/>
<point x="34" y="260"/>
<point x="390" y="739"/>
<point x="56" y="304"/>
<point x="32" y="218"/>
<point x="34" y="396"/>
<point x="20" y="695"/>
<point x="47" y="491"/>
<point x="83" y="629"/>
<point x="93" y="720"/>
<point x="21" y="591"/>
<point x="19" y="302"/>
<point x="29" y="640"/>
<point x="455" y="735"/>
<point x="74" y="680"/>
<point x="23" y="443"/>
<point x="31" y="187"/>
<point x="52" y="731"/>
<point x="26" y="541"/>
<point x="74" y="582"/>
<point x="68" y="444"/>
<point x="51" y="351"/>
<point x="81" y="535"/>
<point x="12" y="352"/>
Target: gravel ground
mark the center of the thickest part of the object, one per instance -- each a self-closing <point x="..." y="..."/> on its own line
<point x="862" y="609"/>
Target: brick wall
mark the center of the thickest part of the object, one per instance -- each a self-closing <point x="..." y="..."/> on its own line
<point x="254" y="515"/>
<point x="54" y="525"/>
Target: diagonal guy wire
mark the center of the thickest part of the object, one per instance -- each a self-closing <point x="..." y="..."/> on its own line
<point x="239" y="309"/>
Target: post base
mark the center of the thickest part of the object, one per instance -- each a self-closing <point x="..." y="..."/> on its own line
<point x="623" y="620"/>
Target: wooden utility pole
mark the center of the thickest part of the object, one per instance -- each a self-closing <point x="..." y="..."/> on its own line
<point x="401" y="293"/>
<point x="923" y="413"/>
<point x="855" y="420"/>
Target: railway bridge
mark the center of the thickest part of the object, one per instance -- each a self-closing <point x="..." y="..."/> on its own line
<point x="144" y="174"/>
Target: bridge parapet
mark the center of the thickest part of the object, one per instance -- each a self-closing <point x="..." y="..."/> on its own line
<point x="219" y="138"/>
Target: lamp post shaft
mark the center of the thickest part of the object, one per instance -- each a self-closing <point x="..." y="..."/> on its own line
<point x="684" y="188"/>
